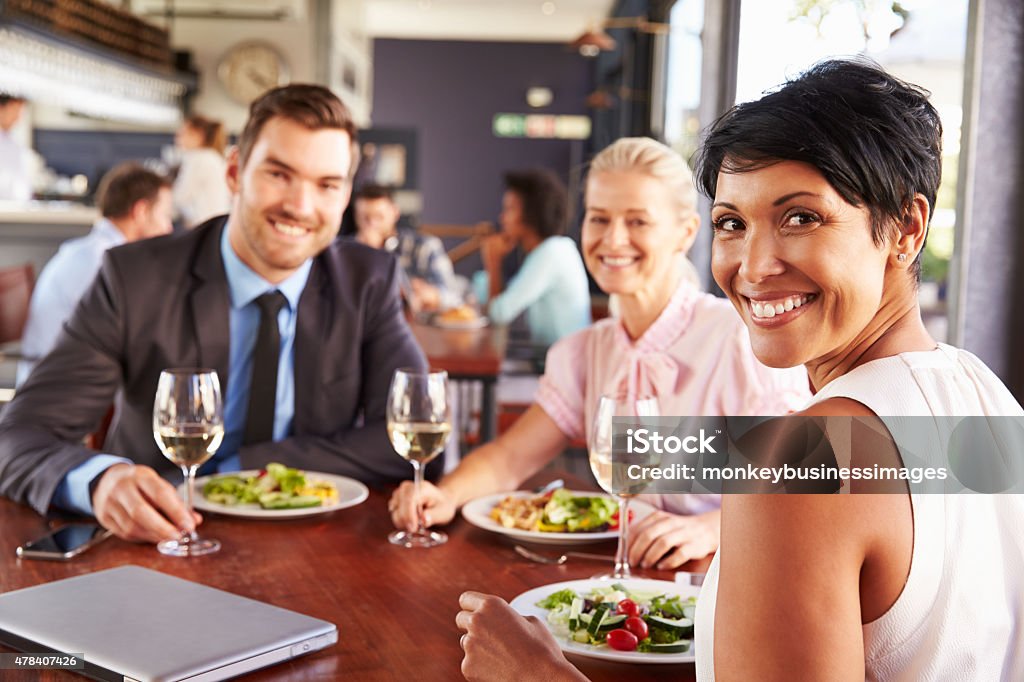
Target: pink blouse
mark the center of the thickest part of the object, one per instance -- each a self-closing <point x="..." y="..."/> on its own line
<point x="695" y="359"/>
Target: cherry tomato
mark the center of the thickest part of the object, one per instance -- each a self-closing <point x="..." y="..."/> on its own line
<point x="636" y="625"/>
<point x="622" y="640"/>
<point x="613" y="522"/>
<point x="628" y="607"/>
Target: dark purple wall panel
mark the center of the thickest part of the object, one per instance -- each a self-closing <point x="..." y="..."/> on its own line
<point x="450" y="90"/>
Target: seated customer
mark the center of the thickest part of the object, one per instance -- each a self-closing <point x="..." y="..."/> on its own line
<point x="686" y="348"/>
<point x="823" y="190"/>
<point x="197" y="299"/>
<point x="432" y="281"/>
<point x="135" y="203"/>
<point x="551" y="286"/>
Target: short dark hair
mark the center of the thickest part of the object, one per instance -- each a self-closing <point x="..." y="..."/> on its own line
<point x="125" y="185"/>
<point x="6" y="98"/>
<point x="544" y="200"/>
<point x="876" y="139"/>
<point x="312" y="106"/>
<point x="374" y="192"/>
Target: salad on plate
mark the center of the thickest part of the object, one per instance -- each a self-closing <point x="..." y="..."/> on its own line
<point x="276" y="487"/>
<point x="612" y="616"/>
<point x="558" y="511"/>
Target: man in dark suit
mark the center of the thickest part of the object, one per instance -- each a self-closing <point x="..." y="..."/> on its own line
<point x="211" y="298"/>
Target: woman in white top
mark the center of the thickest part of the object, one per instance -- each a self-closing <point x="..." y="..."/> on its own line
<point x="822" y="196"/>
<point x="200" y="190"/>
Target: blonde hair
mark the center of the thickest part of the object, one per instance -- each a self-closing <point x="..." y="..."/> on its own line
<point x="649" y="157"/>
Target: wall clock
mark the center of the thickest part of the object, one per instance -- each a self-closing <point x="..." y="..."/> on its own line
<point x="249" y="69"/>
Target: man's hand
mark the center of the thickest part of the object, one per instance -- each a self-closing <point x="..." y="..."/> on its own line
<point x="428" y="297"/>
<point x="434" y="504"/>
<point x="502" y="645"/>
<point x="136" y="504"/>
<point x="667" y="541"/>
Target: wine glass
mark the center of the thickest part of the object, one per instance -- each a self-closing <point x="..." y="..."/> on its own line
<point x="188" y="425"/>
<point x="419" y="420"/>
<point x="602" y="463"/>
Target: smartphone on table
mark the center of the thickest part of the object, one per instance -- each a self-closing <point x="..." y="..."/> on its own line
<point x="64" y="543"/>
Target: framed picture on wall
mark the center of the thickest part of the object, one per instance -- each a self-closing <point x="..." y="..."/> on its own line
<point x="388" y="157"/>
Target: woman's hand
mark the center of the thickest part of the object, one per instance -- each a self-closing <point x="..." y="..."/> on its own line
<point x="435" y="506"/>
<point x="667" y="541"/>
<point x="494" y="248"/>
<point x="500" y="644"/>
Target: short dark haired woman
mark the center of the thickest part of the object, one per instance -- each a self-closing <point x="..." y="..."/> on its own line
<point x="822" y="193"/>
<point x="551" y="286"/>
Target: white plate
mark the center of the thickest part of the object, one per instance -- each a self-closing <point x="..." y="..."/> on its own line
<point x="526" y="604"/>
<point x="350" y="493"/>
<point x="478" y="512"/>
<point x="476" y="323"/>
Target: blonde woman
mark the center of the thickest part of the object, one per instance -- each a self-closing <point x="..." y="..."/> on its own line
<point x="687" y="348"/>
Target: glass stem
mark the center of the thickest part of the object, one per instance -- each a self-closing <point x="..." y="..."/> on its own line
<point x="417" y="478"/>
<point x="622" y="553"/>
<point x="190" y="480"/>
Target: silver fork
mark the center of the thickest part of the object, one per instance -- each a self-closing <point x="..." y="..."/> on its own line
<point x="562" y="558"/>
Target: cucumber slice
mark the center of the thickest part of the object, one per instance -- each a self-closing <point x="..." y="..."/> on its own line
<point x="574" y="613"/>
<point x="612" y="622"/>
<point x="682" y="627"/>
<point x="283" y="501"/>
<point x="680" y="647"/>
<point x="689" y="610"/>
<point x="600" y="614"/>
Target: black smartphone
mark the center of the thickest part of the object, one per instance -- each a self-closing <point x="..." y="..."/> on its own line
<point x="64" y="543"/>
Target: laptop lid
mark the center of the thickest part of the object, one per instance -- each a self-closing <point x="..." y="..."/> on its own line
<point x="131" y="623"/>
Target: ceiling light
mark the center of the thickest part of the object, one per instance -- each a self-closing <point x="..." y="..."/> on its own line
<point x="539" y="97"/>
<point x="593" y="42"/>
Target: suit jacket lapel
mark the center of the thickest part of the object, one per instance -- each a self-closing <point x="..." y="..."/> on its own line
<point x="210" y="302"/>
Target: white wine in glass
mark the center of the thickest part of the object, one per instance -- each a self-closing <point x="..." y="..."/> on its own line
<point x="188" y="425"/>
<point x="419" y="421"/>
<point x="602" y="463"/>
<point x="418" y="441"/>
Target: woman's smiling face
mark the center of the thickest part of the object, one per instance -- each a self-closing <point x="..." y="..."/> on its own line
<point x="634" y="231"/>
<point x="797" y="261"/>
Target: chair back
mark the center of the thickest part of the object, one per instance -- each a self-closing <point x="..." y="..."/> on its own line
<point x="15" y="295"/>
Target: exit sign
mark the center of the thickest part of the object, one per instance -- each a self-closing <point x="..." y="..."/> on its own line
<point x="541" y="126"/>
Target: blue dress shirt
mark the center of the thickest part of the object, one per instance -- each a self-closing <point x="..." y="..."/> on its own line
<point x="62" y="283"/>
<point x="244" y="286"/>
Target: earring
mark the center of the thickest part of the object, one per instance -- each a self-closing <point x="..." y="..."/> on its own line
<point x="901" y="257"/>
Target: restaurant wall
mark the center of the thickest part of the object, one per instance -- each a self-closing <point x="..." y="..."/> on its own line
<point x="210" y="39"/>
<point x="449" y="92"/>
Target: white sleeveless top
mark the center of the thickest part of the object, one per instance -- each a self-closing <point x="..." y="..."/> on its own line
<point x="961" y="612"/>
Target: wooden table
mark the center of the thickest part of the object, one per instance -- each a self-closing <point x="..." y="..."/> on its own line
<point x="394" y="607"/>
<point x="468" y="355"/>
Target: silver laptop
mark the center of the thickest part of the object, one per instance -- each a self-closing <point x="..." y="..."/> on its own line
<point x="132" y="623"/>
